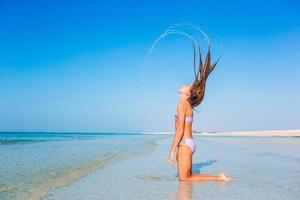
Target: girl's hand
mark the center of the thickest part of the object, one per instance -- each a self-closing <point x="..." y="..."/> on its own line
<point x="171" y="161"/>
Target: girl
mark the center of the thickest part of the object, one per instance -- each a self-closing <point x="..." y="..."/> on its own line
<point x="190" y="96"/>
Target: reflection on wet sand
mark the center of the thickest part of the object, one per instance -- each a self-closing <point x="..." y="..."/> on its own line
<point x="186" y="188"/>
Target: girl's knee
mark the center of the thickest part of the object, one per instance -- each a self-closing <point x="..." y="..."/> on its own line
<point x="183" y="178"/>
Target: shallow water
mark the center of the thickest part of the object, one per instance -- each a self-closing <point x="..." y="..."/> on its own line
<point x="33" y="164"/>
<point x="263" y="168"/>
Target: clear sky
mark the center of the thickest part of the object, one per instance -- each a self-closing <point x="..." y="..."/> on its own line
<point x="77" y="65"/>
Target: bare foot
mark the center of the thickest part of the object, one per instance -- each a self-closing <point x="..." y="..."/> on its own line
<point x="223" y="177"/>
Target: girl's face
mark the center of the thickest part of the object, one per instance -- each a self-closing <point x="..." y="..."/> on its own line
<point x="185" y="89"/>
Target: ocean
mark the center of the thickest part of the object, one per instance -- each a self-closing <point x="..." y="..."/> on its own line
<point x="53" y="166"/>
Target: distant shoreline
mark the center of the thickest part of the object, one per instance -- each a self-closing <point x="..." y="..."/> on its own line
<point x="265" y="133"/>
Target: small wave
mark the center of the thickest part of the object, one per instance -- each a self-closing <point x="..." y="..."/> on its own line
<point x="20" y="141"/>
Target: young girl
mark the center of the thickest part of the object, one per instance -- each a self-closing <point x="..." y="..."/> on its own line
<point x="190" y="96"/>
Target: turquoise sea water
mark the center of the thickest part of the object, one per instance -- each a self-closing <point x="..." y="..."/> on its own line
<point x="56" y="166"/>
<point x="34" y="163"/>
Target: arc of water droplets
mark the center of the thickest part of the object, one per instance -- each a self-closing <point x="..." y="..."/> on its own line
<point x="196" y="28"/>
<point x="174" y="28"/>
<point x="171" y="30"/>
<point x="207" y="39"/>
<point x="166" y="33"/>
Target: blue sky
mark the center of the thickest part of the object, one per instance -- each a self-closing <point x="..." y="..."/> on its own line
<point x="76" y="66"/>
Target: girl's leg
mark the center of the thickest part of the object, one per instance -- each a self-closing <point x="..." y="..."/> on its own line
<point x="184" y="165"/>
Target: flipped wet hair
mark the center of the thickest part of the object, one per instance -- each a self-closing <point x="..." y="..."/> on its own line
<point x="198" y="87"/>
